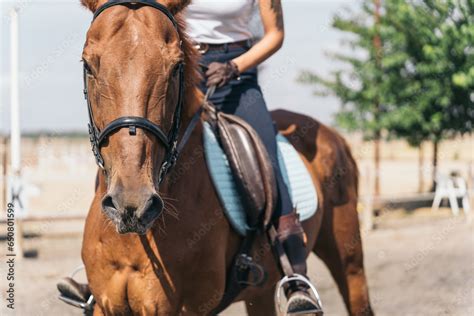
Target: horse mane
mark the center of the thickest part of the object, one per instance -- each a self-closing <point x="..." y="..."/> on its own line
<point x="191" y="56"/>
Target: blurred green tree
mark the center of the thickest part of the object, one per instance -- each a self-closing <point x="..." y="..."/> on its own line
<point x="410" y="74"/>
<point x="436" y="98"/>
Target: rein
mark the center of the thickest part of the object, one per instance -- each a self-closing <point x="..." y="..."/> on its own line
<point x="169" y="140"/>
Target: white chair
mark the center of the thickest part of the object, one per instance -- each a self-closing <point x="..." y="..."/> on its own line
<point x="451" y="188"/>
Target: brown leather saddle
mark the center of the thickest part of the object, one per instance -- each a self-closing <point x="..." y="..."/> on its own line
<point x="250" y="165"/>
<point x="255" y="181"/>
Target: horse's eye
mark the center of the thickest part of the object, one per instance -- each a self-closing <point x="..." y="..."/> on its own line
<point x="177" y="69"/>
<point x="87" y="68"/>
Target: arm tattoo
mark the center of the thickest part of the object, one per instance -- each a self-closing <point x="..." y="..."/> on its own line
<point x="276" y="7"/>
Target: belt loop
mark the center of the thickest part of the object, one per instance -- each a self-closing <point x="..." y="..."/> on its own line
<point x="202" y="48"/>
<point x="226" y="48"/>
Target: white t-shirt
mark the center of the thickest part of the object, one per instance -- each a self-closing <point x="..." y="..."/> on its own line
<point x="219" y="21"/>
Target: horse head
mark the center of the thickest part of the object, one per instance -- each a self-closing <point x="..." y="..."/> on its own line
<point x="133" y="57"/>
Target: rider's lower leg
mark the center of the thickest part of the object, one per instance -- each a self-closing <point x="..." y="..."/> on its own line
<point x="299" y="294"/>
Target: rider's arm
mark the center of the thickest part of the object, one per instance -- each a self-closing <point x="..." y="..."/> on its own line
<point x="272" y="19"/>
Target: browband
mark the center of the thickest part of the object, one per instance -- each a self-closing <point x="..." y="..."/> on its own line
<point x="150" y="3"/>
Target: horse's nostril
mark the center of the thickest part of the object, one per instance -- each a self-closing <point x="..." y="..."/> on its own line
<point x="151" y="209"/>
<point x="156" y="204"/>
<point x="128" y="215"/>
<point x="108" y="203"/>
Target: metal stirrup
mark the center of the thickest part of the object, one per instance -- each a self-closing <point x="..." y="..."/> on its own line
<point x="293" y="278"/>
<point x="88" y="306"/>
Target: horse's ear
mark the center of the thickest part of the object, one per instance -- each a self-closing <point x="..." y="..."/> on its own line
<point x="176" y="6"/>
<point x="91" y="4"/>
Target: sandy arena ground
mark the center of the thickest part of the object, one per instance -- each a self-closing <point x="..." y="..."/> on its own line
<point x="417" y="264"/>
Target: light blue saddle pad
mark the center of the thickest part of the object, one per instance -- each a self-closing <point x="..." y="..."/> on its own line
<point x="295" y="175"/>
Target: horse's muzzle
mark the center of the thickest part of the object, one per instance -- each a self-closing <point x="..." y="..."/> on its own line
<point x="132" y="217"/>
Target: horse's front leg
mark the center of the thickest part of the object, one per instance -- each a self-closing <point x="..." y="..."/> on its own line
<point x="98" y="311"/>
<point x="262" y="305"/>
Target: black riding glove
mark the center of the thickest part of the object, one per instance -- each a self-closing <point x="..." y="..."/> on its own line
<point x="219" y="74"/>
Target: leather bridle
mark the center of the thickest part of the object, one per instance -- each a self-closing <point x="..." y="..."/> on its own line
<point x="170" y="139"/>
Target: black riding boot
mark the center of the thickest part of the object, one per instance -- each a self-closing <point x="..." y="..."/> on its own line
<point x="291" y="235"/>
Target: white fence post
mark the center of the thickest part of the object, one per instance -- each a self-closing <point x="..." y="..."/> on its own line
<point x="15" y="134"/>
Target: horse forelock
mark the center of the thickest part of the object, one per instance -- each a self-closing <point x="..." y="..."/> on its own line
<point x="90" y="4"/>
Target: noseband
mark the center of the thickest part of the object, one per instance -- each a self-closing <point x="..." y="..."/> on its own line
<point x="170" y="139"/>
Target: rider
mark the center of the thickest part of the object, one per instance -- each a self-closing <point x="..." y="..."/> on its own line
<point x="221" y="32"/>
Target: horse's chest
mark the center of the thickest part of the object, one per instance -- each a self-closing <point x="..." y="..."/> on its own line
<point x="131" y="289"/>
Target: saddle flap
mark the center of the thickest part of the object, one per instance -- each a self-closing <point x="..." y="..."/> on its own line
<point x="241" y="154"/>
<point x="251" y="167"/>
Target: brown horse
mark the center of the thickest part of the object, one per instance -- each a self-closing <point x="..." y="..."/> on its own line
<point x="179" y="266"/>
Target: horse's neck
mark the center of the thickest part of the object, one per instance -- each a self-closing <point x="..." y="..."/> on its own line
<point x="193" y="101"/>
<point x="188" y="189"/>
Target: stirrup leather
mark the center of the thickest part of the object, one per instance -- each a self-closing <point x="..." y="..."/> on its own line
<point x="293" y="278"/>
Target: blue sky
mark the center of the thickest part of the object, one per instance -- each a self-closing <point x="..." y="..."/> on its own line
<point x="52" y="34"/>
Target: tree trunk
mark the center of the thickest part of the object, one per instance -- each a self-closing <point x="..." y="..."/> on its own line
<point x="435" y="163"/>
<point x="377" y="165"/>
<point x="421" y="158"/>
<point x="377" y="42"/>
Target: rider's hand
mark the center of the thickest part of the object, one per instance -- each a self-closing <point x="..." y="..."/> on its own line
<point x="219" y="74"/>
